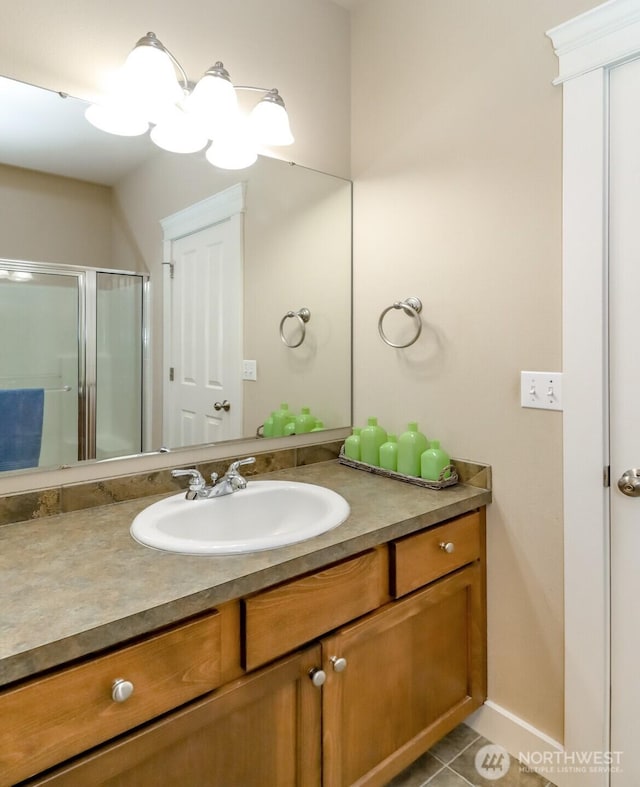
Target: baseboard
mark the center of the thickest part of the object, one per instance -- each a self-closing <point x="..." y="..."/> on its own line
<point x="518" y="737"/>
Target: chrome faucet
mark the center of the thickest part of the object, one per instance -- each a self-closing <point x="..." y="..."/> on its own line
<point x="230" y="482"/>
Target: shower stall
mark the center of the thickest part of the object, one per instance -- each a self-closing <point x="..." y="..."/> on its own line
<point x="79" y="336"/>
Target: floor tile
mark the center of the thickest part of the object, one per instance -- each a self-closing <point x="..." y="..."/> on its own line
<point x="418" y="772"/>
<point x="453" y="743"/>
<point x="516" y="776"/>
<point x="447" y="778"/>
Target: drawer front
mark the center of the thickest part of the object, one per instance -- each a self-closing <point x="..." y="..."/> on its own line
<point x="49" y="719"/>
<point x="419" y="559"/>
<point x="281" y="619"/>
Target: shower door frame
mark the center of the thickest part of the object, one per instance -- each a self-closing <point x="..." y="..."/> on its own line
<point x="87" y="337"/>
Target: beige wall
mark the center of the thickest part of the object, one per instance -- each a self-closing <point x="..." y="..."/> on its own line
<point x="299" y="46"/>
<point x="456" y="140"/>
<point x="45" y="218"/>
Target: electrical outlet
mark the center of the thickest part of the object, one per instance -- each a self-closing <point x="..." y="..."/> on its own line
<point x="541" y="390"/>
<point x="249" y="370"/>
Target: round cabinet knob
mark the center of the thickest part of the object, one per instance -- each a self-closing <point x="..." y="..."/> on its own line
<point x="339" y="663"/>
<point x="317" y="676"/>
<point x="121" y="690"/>
<point x="447" y="546"/>
<point x="629" y="483"/>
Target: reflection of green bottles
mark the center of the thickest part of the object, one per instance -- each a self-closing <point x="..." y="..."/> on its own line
<point x="371" y="438"/>
<point x="433" y="462"/>
<point x="305" y="421"/>
<point x="319" y="427"/>
<point x="267" y="429"/>
<point x="280" y="418"/>
<point x="411" y="445"/>
<point x="352" y="445"/>
<point x="389" y="453"/>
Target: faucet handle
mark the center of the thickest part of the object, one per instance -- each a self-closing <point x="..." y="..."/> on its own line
<point x="233" y="468"/>
<point x="197" y="481"/>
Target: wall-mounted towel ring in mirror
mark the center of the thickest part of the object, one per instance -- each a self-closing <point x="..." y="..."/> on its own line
<point x="411" y="306"/>
<point x="303" y="316"/>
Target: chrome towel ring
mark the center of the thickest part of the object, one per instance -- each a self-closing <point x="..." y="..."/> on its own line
<point x="303" y="316"/>
<point x="411" y="306"/>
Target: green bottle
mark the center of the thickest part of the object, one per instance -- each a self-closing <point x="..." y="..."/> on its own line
<point x="389" y="453"/>
<point x="267" y="429"/>
<point x="433" y="462"/>
<point x="411" y="445"/>
<point x="290" y="427"/>
<point x="352" y="445"/>
<point x="305" y="421"/>
<point x="319" y="427"/>
<point x="371" y="438"/>
<point x="280" y="418"/>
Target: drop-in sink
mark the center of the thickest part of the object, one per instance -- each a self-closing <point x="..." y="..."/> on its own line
<point x="265" y="515"/>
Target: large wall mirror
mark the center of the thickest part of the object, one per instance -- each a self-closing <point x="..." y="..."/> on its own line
<point x="151" y="301"/>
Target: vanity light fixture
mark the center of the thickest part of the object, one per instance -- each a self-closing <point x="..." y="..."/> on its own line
<point x="153" y="89"/>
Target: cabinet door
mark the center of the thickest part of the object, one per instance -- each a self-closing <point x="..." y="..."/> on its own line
<point x="259" y="731"/>
<point x="414" y="670"/>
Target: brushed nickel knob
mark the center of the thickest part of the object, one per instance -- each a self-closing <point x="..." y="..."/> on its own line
<point x="317" y="676"/>
<point x="629" y="483"/>
<point x="339" y="663"/>
<point x="447" y="546"/>
<point x="121" y="690"/>
<point x="224" y="405"/>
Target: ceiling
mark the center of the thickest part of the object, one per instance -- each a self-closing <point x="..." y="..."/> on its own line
<point x="47" y="131"/>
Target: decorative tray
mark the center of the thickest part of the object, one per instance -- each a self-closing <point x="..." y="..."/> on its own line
<point x="441" y="483"/>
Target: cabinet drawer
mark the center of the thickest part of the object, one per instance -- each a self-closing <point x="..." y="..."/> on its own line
<point x="49" y="719"/>
<point x="284" y="617"/>
<point x="419" y="559"/>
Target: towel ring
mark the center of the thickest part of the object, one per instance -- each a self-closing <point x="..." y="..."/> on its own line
<point x="411" y="306"/>
<point x="303" y="316"/>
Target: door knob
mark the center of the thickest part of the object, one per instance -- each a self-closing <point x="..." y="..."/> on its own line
<point x="629" y="483"/>
<point x="224" y="405"/>
<point x="317" y="676"/>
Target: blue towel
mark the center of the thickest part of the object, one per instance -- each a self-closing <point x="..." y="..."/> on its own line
<point x="21" y="413"/>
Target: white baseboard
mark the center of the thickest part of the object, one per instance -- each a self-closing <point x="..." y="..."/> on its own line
<point x="518" y="737"/>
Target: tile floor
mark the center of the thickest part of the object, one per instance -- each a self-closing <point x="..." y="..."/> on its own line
<point x="451" y="763"/>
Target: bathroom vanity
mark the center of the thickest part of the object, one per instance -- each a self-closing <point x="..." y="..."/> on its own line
<point x="335" y="661"/>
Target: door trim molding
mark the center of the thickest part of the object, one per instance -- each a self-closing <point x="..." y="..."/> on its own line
<point x="587" y="47"/>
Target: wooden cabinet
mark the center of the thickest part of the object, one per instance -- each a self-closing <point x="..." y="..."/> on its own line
<point x="410" y="673"/>
<point x="260" y="731"/>
<point x="399" y="635"/>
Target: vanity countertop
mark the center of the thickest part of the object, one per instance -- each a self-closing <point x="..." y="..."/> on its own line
<point x="75" y="583"/>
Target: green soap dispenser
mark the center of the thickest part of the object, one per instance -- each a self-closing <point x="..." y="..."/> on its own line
<point x="411" y="446"/>
<point x="280" y="418"/>
<point x="389" y="453"/>
<point x="305" y="421"/>
<point x="433" y="461"/>
<point x="352" y="445"/>
<point x="371" y="438"/>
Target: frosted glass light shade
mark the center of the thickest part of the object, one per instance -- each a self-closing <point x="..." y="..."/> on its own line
<point x="148" y="79"/>
<point x="270" y="123"/>
<point x="179" y="133"/>
<point x="233" y="150"/>
<point x="213" y="102"/>
<point x="116" y="119"/>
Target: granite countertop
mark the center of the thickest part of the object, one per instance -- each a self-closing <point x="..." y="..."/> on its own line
<point x="76" y="583"/>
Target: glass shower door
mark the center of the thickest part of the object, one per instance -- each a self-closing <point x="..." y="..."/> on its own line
<point x="119" y="330"/>
<point x="39" y="351"/>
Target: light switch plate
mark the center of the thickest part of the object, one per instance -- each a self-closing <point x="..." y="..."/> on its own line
<point x="541" y="390"/>
<point x="249" y="370"/>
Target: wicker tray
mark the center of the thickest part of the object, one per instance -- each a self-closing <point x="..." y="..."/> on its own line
<point x="441" y="483"/>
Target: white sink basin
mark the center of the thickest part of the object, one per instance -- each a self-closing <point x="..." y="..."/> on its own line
<point x="265" y="515"/>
